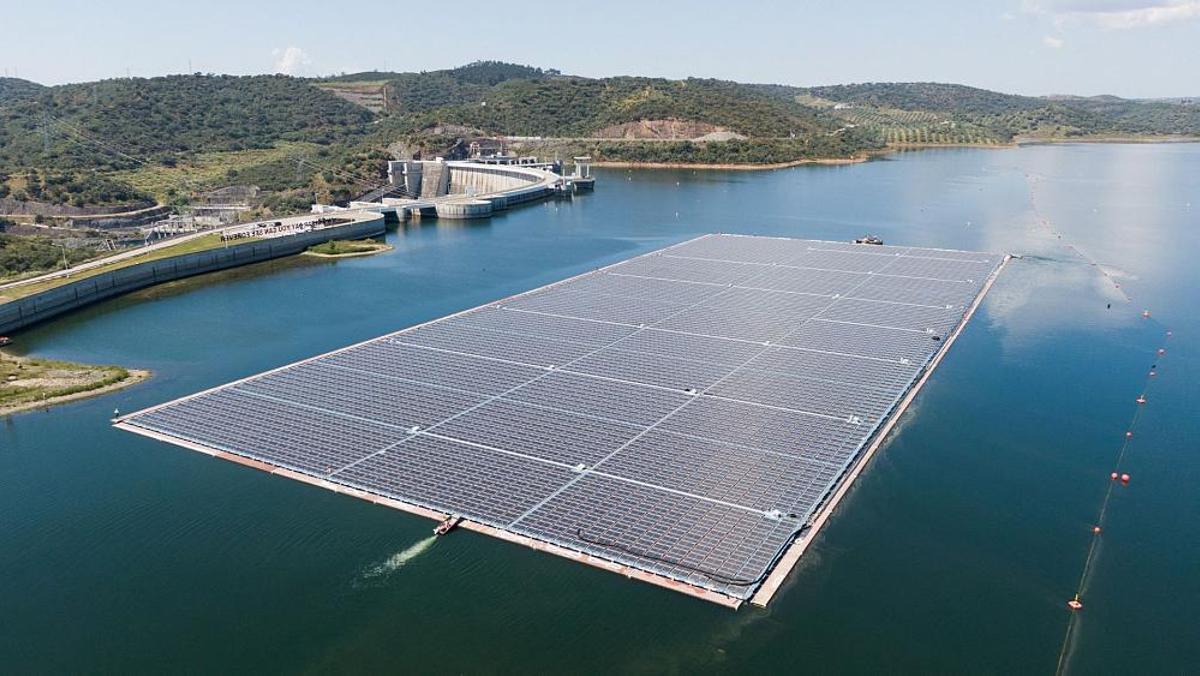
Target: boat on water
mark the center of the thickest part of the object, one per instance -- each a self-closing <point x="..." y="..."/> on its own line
<point x="447" y="525"/>
<point x="5" y="340"/>
<point x="869" y="239"/>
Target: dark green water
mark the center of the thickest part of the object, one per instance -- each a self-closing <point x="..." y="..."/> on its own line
<point x="955" y="552"/>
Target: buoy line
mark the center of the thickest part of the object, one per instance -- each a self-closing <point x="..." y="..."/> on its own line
<point x="1115" y="478"/>
<point x="1080" y="253"/>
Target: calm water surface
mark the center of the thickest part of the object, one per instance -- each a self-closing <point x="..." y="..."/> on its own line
<point x="955" y="552"/>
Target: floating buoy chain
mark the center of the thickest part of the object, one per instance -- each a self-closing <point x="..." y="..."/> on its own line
<point x="1075" y="250"/>
<point x="1116" y="477"/>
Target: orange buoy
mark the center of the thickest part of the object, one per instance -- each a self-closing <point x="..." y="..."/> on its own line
<point x="1074" y="604"/>
<point x="1124" y="478"/>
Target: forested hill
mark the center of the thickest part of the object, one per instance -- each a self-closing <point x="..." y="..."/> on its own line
<point x="325" y="139"/>
<point x="511" y="99"/>
<point x="647" y="119"/>
<point x="931" y="96"/>
<point x="507" y="99"/>
<point x="13" y="89"/>
<point x="106" y="124"/>
<point x="929" y="111"/>
<point x="574" y="106"/>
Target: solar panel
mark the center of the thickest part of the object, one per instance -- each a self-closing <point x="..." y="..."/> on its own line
<point x="685" y="413"/>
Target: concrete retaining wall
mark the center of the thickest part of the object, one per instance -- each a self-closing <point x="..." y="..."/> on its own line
<point x="24" y="312"/>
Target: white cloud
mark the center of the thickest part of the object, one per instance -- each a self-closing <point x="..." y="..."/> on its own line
<point x="1052" y="42"/>
<point x="1115" y="14"/>
<point x="291" y="61"/>
<point x="1149" y="16"/>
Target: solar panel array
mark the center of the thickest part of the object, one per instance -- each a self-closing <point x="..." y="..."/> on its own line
<point x="684" y="412"/>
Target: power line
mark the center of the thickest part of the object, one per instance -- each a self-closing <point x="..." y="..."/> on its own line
<point x="344" y="174"/>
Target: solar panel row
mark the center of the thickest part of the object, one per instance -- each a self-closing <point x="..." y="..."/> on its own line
<point x="684" y="412"/>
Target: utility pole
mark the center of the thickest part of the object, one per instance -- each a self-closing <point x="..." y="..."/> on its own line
<point x="45" y="133"/>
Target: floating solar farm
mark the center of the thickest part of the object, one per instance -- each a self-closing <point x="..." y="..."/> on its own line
<point x="688" y="417"/>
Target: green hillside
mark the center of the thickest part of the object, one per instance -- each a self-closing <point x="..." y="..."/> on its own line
<point x="926" y="112"/>
<point x="104" y="125"/>
<point x="300" y="140"/>
<point x="15" y="89"/>
<point x="574" y="106"/>
<point x="420" y="92"/>
<point x="184" y="134"/>
<point x="930" y="96"/>
<point x="491" y="99"/>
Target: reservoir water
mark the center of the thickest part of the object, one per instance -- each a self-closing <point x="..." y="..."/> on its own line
<point x="955" y="552"/>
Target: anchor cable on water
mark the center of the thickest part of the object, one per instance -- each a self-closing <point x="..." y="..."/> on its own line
<point x="1074" y="249"/>
<point x="1117" y="476"/>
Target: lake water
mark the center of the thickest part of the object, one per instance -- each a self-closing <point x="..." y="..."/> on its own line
<point x="955" y="552"/>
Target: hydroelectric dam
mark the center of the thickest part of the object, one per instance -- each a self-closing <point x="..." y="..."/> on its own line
<point x="416" y="189"/>
<point x="467" y="189"/>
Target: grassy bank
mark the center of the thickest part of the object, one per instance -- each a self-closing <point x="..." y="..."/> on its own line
<point x="27" y="383"/>
<point x="347" y="248"/>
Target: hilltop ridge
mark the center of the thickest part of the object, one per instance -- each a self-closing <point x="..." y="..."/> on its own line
<point x="300" y="140"/>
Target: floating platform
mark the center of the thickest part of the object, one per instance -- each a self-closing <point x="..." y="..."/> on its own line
<point x="689" y="417"/>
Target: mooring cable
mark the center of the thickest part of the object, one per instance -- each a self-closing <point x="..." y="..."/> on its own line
<point x="1075" y="604"/>
<point x="1078" y="252"/>
<point x="1089" y="560"/>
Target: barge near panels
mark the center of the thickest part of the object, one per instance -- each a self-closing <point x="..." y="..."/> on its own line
<point x="688" y="417"/>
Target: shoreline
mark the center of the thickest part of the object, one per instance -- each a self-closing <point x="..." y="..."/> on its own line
<point x="732" y="166"/>
<point x="868" y="155"/>
<point x="134" y="377"/>
<point x="1033" y="140"/>
<point x="378" y="249"/>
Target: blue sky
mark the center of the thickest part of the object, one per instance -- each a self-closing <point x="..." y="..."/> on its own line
<point x="1144" y="48"/>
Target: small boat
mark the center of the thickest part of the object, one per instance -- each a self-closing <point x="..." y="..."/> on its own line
<point x="868" y="239"/>
<point x="447" y="525"/>
<point x="5" y="340"/>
